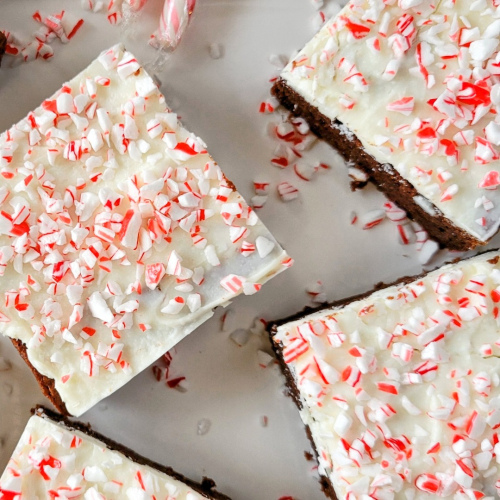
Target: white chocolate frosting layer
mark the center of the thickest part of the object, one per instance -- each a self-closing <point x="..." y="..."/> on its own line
<point x="418" y="82"/>
<point x="401" y="390"/>
<point x="119" y="234"/>
<point x="53" y="461"/>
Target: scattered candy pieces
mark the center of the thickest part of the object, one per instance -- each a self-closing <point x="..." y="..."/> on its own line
<point x="225" y="319"/>
<point x="215" y="50"/>
<point x="372" y="218"/>
<point x="287" y="191"/>
<point x="279" y="61"/>
<point x="316" y="292"/>
<point x="264" y="358"/>
<point x="203" y="426"/>
<point x="240" y="337"/>
<point x="258" y="326"/>
<point x="62" y="26"/>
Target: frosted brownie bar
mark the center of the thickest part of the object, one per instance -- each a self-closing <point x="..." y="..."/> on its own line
<point x="409" y="91"/>
<point x="400" y="388"/>
<point x="56" y="458"/>
<point x="119" y="234"/>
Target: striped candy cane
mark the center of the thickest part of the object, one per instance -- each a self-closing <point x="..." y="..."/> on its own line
<point x="174" y="20"/>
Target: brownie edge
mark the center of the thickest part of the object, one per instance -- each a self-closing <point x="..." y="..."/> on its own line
<point x="206" y="488"/>
<point x="385" y="177"/>
<point x="47" y="385"/>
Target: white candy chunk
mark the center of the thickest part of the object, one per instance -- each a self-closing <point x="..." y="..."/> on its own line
<point x="264" y="246"/>
<point x="154" y="128"/>
<point x="95" y="139"/>
<point x="80" y="101"/>
<point x="428" y="250"/>
<point x="174" y="306"/>
<point x="492" y="30"/>
<point x="128" y="65"/>
<point x="146" y="86"/>
<point x="495" y="94"/>
<point x="493" y="133"/>
<point x="408" y="4"/>
<point x="94" y="474"/>
<point x="74" y="293"/>
<point x="194" y="302"/>
<point x="86" y="206"/>
<point x="342" y="424"/>
<point x="480" y="50"/>
<point x="99" y="308"/>
<point x="130" y="227"/>
<point x="211" y="255"/>
<point x="130" y="130"/>
<point x="92" y="494"/>
<point x="64" y="103"/>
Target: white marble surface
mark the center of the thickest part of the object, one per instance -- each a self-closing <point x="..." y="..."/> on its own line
<point x="218" y="100"/>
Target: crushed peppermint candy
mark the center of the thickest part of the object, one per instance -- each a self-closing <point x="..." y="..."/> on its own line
<point x="240" y="337"/>
<point x="316" y="292"/>
<point x="62" y="26"/>
<point x="287" y="191"/>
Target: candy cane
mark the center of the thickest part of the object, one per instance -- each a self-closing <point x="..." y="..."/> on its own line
<point x="174" y="20"/>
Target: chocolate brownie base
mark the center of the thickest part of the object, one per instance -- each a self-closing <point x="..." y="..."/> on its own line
<point x="3" y="44"/>
<point x="384" y="176"/>
<point x="46" y="384"/>
<point x="206" y="488"/>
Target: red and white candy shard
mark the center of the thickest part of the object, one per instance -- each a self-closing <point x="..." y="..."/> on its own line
<point x="63" y="463"/>
<point x="400" y="389"/>
<point x="62" y="25"/>
<point x="418" y="82"/>
<point x="114" y="217"/>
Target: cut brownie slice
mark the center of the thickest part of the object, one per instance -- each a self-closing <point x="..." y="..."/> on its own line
<point x="58" y="458"/>
<point x="119" y="234"/>
<point x="409" y="91"/>
<point x="400" y="389"/>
